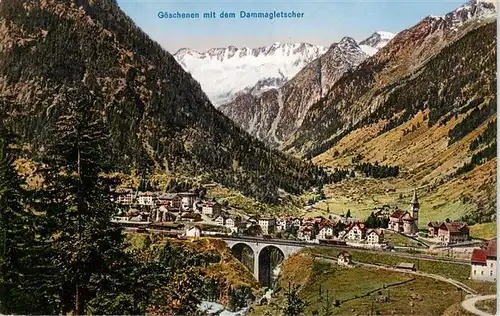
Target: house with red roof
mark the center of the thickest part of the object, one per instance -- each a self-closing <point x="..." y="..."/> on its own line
<point x="326" y="229"/>
<point x="306" y="233"/>
<point x="356" y="231"/>
<point x="453" y="232"/>
<point x="484" y="262"/>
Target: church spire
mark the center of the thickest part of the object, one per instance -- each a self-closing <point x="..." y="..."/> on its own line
<point x="414" y="201"/>
<point x="415" y="206"/>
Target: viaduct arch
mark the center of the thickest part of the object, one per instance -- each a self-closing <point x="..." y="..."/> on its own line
<point x="260" y="257"/>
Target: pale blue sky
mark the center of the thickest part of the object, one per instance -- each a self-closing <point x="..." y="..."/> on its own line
<point x="324" y="22"/>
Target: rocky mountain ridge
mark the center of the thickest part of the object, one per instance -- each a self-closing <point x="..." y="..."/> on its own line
<point x="375" y="42"/>
<point x="275" y="115"/>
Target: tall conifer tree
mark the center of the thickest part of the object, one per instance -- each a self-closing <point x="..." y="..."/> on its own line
<point x="77" y="204"/>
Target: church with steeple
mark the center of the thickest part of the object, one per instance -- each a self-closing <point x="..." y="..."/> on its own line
<point x="406" y="221"/>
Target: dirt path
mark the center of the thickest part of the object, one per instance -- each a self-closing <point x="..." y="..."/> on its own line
<point x="470" y="304"/>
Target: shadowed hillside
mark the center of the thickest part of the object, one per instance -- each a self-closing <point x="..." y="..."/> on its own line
<point x="56" y="52"/>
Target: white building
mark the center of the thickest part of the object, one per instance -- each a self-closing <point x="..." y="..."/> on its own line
<point x="282" y="224"/>
<point x="233" y="222"/>
<point x="268" y="225"/>
<point x="187" y="200"/>
<point x="126" y="197"/>
<point x="146" y="198"/>
<point x="194" y="231"/>
<point x="375" y="236"/>
<point x="220" y="220"/>
<point x="356" y="231"/>
<point x="326" y="231"/>
<point x="344" y="259"/>
<point x="484" y="262"/>
<point x="306" y="233"/>
<point x="211" y="209"/>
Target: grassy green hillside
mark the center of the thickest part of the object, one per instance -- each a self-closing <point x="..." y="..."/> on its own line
<point x="357" y="290"/>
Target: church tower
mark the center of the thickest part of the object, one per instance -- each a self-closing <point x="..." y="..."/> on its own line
<point x="414" y="207"/>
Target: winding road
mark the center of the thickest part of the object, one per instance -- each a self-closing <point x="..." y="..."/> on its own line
<point x="470" y="304"/>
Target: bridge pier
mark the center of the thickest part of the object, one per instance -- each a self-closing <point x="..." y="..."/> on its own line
<point x="256" y="264"/>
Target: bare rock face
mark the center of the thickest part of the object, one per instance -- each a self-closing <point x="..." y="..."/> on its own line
<point x="275" y="115"/>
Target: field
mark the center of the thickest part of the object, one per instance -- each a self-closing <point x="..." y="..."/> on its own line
<point x="484" y="231"/>
<point x="441" y="195"/>
<point x="483" y="288"/>
<point x="447" y="269"/>
<point x="456" y="310"/>
<point x="359" y="291"/>
<point x="239" y="204"/>
<point x="400" y="240"/>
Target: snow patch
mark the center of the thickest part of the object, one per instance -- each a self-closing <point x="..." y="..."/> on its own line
<point x="223" y="72"/>
<point x="368" y="50"/>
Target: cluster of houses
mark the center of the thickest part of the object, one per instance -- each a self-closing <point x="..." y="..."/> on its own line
<point x="448" y="232"/>
<point x="158" y="207"/>
<point x="166" y="207"/>
<point x="338" y="230"/>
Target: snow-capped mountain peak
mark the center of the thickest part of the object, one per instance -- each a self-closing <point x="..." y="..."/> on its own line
<point x="375" y="42"/>
<point x="473" y="9"/>
<point x="223" y="72"/>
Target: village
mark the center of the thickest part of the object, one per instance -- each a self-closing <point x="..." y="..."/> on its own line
<point x="199" y="215"/>
<point x="193" y="214"/>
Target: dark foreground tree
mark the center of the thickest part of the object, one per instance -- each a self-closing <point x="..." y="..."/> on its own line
<point x="76" y="202"/>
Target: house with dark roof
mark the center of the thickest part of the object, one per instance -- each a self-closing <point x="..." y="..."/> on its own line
<point x="484" y="262"/>
<point x="212" y="209"/>
<point x="126" y="196"/>
<point x="433" y="229"/>
<point x="453" y="232"/>
<point x="171" y="201"/>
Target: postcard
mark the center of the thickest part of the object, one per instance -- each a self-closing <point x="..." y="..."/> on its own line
<point x="248" y="157"/>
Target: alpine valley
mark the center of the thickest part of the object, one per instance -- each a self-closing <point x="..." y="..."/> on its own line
<point x="422" y="100"/>
<point x="290" y="179"/>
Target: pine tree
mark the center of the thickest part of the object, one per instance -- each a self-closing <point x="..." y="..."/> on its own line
<point x="78" y="208"/>
<point x="295" y="306"/>
<point x="24" y="268"/>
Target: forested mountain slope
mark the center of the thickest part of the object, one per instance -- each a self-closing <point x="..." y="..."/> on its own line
<point x="56" y="52"/>
<point x="437" y="124"/>
<point x="370" y="91"/>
